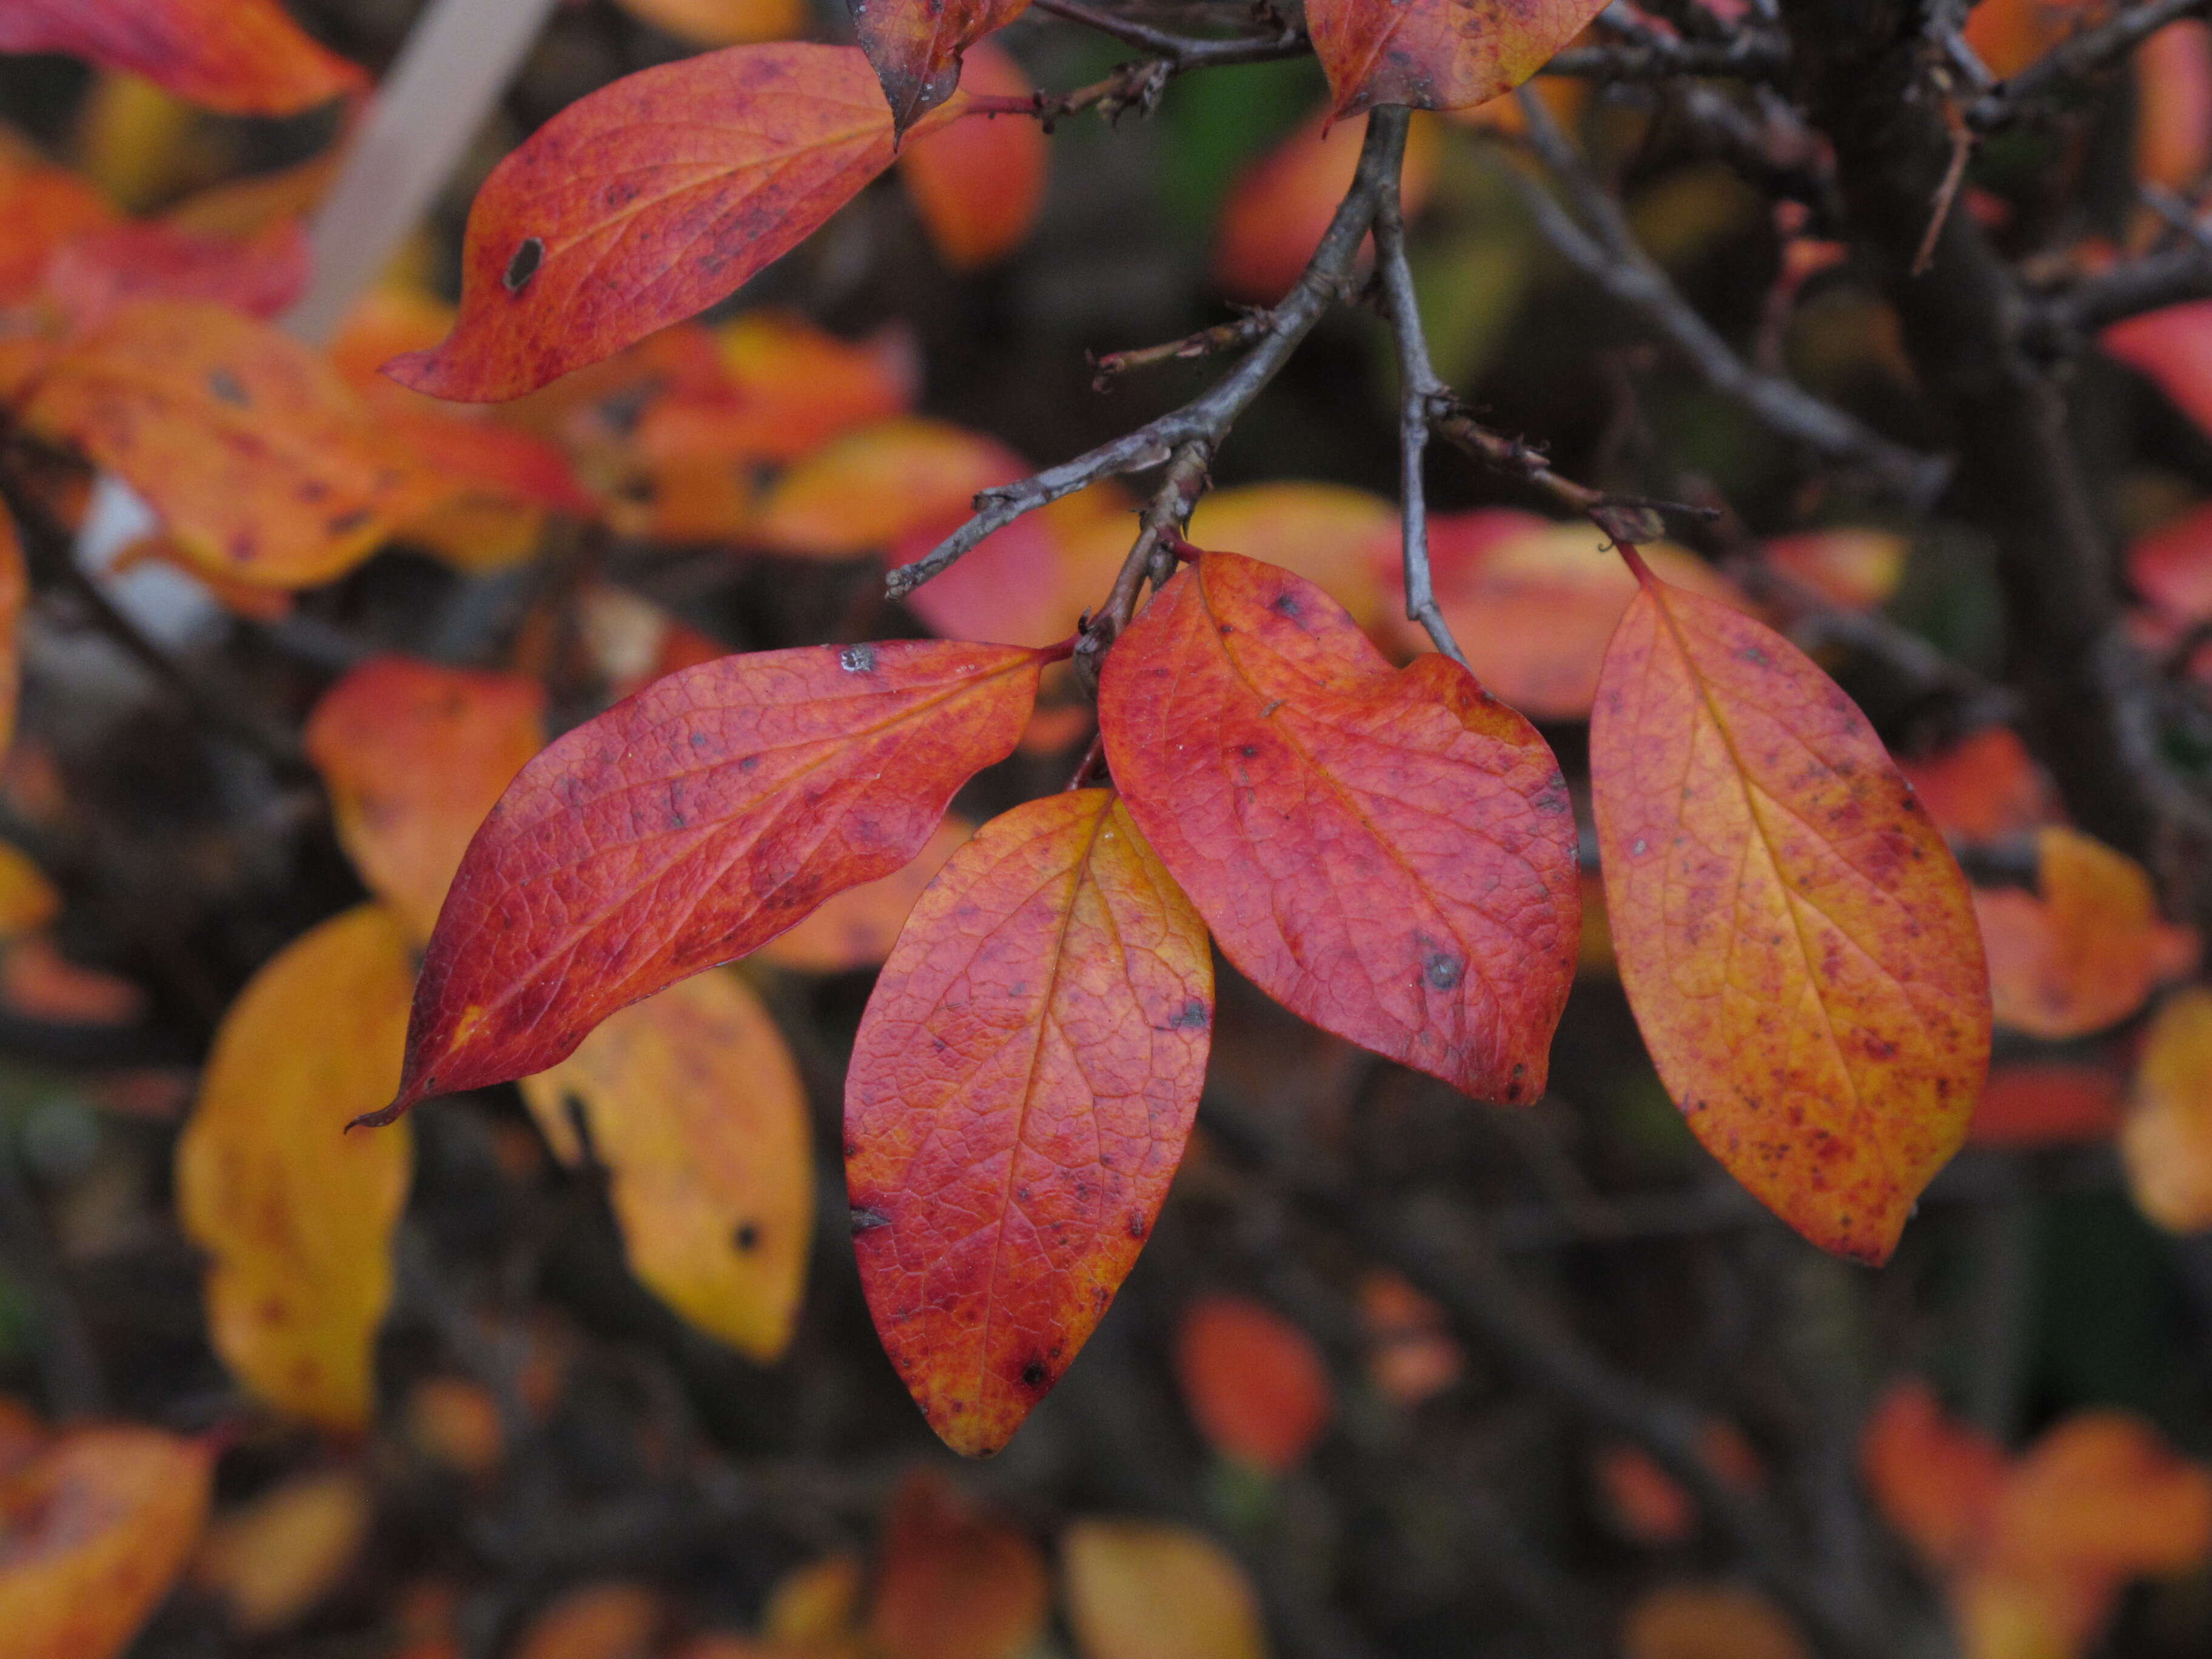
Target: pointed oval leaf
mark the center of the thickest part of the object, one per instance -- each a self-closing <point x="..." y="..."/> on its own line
<point x="1145" y="1590"/>
<point x="93" y="1533"/>
<point x="692" y="825"/>
<point x="296" y="1217"/>
<point x="275" y="1557"/>
<point x="1437" y="54"/>
<point x="241" y="56"/>
<point x="977" y="184"/>
<point x="1255" y="1383"/>
<point x="1021" y="1089"/>
<point x="646" y="201"/>
<point x="1797" y="941"/>
<point x="2166" y="1143"/>
<point x="415" y="755"/>
<point x="692" y="1104"/>
<point x="1936" y="1481"/>
<point x="1390" y="855"/>
<point x="915" y="47"/>
<point x="263" y="464"/>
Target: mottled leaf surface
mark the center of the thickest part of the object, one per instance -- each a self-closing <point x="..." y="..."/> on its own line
<point x="646" y="201"/>
<point x="241" y="56"/>
<point x="415" y="755"/>
<point x="692" y="1104"/>
<point x="261" y="461"/>
<point x="915" y="47"/>
<point x="94" y="1530"/>
<point x="296" y="1217"/>
<point x="1797" y="941"/>
<point x="689" y="825"/>
<point x="1020" y="1092"/>
<point x="1389" y="855"/>
<point x="1437" y="54"/>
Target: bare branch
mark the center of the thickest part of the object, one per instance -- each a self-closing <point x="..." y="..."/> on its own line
<point x="1182" y="51"/>
<point x="2067" y="66"/>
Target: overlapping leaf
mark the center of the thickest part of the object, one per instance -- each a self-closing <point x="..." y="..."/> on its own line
<point x="978" y="185"/>
<point x="1797" y="941"/>
<point x="1985" y="786"/>
<point x="1254" y="1382"/>
<point x="1338" y="539"/>
<point x="260" y="460"/>
<point x="858" y="927"/>
<point x="1390" y="855"/>
<point x="1144" y="1589"/>
<point x="296" y="1216"/>
<point x="1275" y="214"/>
<point x="873" y="486"/>
<point x="646" y="201"/>
<point x="241" y="56"/>
<point x="693" y="1105"/>
<point x="689" y="825"/>
<point x="1437" y="54"/>
<point x="1020" y="1091"/>
<point x="93" y="1532"/>
<point x="413" y="755"/>
<point x="915" y="47"/>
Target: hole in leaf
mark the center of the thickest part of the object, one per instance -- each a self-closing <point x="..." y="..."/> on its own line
<point x="523" y="265"/>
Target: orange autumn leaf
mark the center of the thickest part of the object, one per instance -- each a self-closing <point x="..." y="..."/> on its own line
<point x="94" y="1530"/>
<point x="96" y="274"/>
<point x="722" y="22"/>
<point x="604" y="1620"/>
<point x="2103" y="1495"/>
<point x="1254" y="1384"/>
<point x="1411" y="1353"/>
<point x="953" y="1583"/>
<point x="872" y="487"/>
<point x="1388" y="855"/>
<point x="1030" y="1064"/>
<point x="1534" y="602"/>
<point x="782" y="389"/>
<point x="692" y="1104"/>
<point x="1031" y="582"/>
<point x="1936" y="1481"/>
<point x="646" y="201"/>
<point x="979" y="182"/>
<point x="415" y="755"/>
<point x="37" y="981"/>
<point x="1708" y="1621"/>
<point x="1437" y="54"/>
<point x="757" y="785"/>
<point x="457" y="1423"/>
<point x="43" y="207"/>
<point x="272" y="1559"/>
<point x="1853" y="570"/>
<point x="1274" y="214"/>
<point x="1146" y="1589"/>
<point x="858" y="927"/>
<point x="2086" y="950"/>
<point x="296" y="1216"/>
<point x="2045" y="1103"/>
<point x="2173" y="107"/>
<point x="1650" y="1505"/>
<point x="1797" y="943"/>
<point x="241" y="56"/>
<point x="1983" y="787"/>
<point x="916" y="47"/>
<point x="1337" y="537"/>
<point x="27" y="899"/>
<point x="261" y="462"/>
<point x="2165" y="1143"/>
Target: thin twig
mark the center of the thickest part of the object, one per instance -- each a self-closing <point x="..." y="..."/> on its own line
<point x="1182" y="51"/>
<point x="2067" y="65"/>
<point x="1206" y="343"/>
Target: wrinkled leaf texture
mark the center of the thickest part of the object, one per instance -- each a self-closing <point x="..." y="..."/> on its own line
<point x="691" y="824"/>
<point x="1021" y="1089"/>
<point x="1389" y="855"/>
<point x="1797" y="943"/>
<point x="1437" y="54"/>
<point x="915" y="47"/>
<point x="692" y="1104"/>
<point x="241" y="56"/>
<point x="646" y="201"/>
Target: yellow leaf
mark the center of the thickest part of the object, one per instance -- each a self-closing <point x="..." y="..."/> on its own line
<point x="866" y="489"/>
<point x="274" y="1558"/>
<point x="27" y="899"/>
<point x="93" y="1532"/>
<point x="692" y="1103"/>
<point x="2166" y="1140"/>
<point x="1141" y="1589"/>
<point x="296" y="1214"/>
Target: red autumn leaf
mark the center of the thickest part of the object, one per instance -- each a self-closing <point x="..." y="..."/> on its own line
<point x="916" y="46"/>
<point x="1275" y="215"/>
<point x="2046" y="1103"/>
<point x="1390" y="855"/>
<point x="1797" y="941"/>
<point x="978" y="183"/>
<point x="1854" y="569"/>
<point x="1255" y="1383"/>
<point x="2172" y="349"/>
<point x="241" y="56"/>
<point x="1985" y="786"/>
<point x="1936" y="1481"/>
<point x="93" y="275"/>
<point x="42" y="206"/>
<point x="858" y="927"/>
<point x="413" y="755"/>
<point x="1020" y="1091"/>
<point x="953" y="1583"/>
<point x="646" y="201"/>
<point x="1437" y="54"/>
<point x="93" y="1532"/>
<point x="1650" y="1505"/>
<point x="2173" y="106"/>
<point x="689" y="825"/>
<point x="872" y="487"/>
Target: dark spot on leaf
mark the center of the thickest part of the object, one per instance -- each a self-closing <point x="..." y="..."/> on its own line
<point x="523" y="265"/>
<point x="1138" y="1226"/>
<point x="346" y="523"/>
<point x="748" y="762"/>
<point x="228" y="388"/>
<point x="1034" y="1375"/>
<point x="1249" y="750"/>
<point x="1191" y="1017"/>
<point x="857" y="658"/>
<point x="866" y="1220"/>
<point x="1443" y="972"/>
<point x="747" y="1236"/>
<point x="1287" y="604"/>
